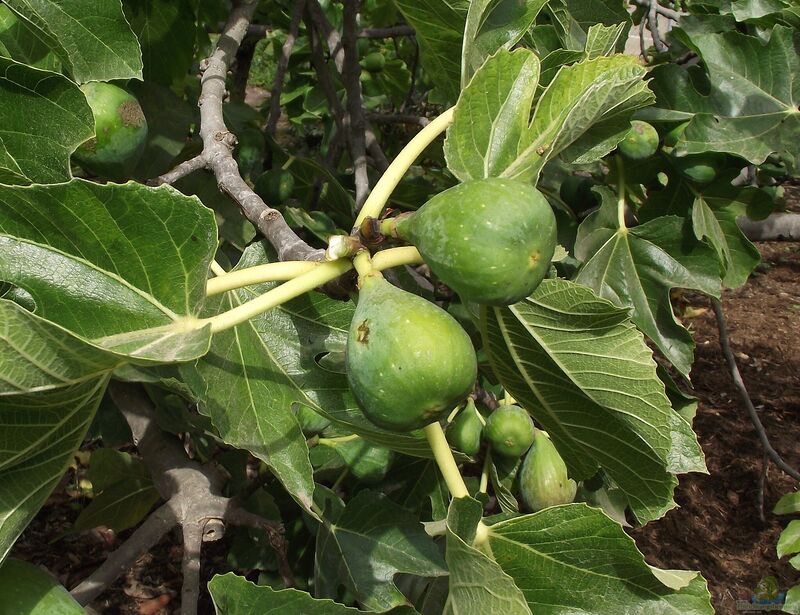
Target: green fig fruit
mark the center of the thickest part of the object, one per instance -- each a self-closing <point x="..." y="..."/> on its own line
<point x="490" y="240"/>
<point x="641" y="141"/>
<point x="509" y="430"/>
<point x="120" y="132"/>
<point x="408" y="362"/>
<point x="274" y="186"/>
<point x="543" y="479"/>
<point x="672" y="137"/>
<point x="464" y="433"/>
<point x="374" y="62"/>
<point x="699" y="168"/>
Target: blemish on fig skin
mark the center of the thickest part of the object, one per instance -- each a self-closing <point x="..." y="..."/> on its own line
<point x="131" y="114"/>
<point x="534" y="259"/>
<point x="362" y="331"/>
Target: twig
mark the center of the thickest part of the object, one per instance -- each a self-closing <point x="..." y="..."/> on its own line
<point x="244" y="60"/>
<point x="190" y="567"/>
<point x="146" y="536"/>
<point x="762" y="483"/>
<point x="334" y="41"/>
<point x="218" y="143"/>
<point x="724" y="342"/>
<point x="652" y="21"/>
<point x="185" y="168"/>
<point x="398" y="118"/>
<point x="351" y="76"/>
<point x="283" y="64"/>
<point x="391" y="32"/>
<point x="323" y="75"/>
<point x="661" y="10"/>
<point x="193" y="501"/>
<point x="642" y="42"/>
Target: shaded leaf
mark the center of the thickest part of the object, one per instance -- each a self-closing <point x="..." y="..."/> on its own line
<point x="751" y="109"/>
<point x="234" y="595"/>
<point x="637" y="267"/>
<point x="552" y="553"/>
<point x="439" y="28"/>
<point x="579" y="366"/>
<point x="92" y="39"/>
<point x="166" y="32"/>
<point x="582" y="114"/>
<point x="372" y="540"/>
<point x="28" y="589"/>
<point x="493" y="25"/>
<point x="124" y="265"/>
<point x="44" y="117"/>
<point x="477" y="583"/>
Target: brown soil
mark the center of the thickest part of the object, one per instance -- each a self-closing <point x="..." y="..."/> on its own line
<point x="717" y="529"/>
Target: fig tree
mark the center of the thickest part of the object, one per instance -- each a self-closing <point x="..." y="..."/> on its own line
<point x="543" y="479"/>
<point x="408" y="361"/>
<point x="509" y="431"/>
<point x="120" y="132"/>
<point x="274" y="186"/>
<point x="464" y="433"/>
<point x="490" y="240"/>
<point x="641" y="141"/>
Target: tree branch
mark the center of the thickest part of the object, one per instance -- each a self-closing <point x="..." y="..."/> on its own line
<point x="334" y="41"/>
<point x="187" y="167"/>
<point x="392" y="32"/>
<point x="218" y="144"/>
<point x="652" y="21"/>
<point x="724" y="342"/>
<point x="661" y="10"/>
<point x="784" y="226"/>
<point x="193" y="500"/>
<point x="283" y="64"/>
<point x="146" y="536"/>
<point x="351" y="76"/>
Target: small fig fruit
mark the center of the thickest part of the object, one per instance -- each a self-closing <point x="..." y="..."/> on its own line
<point x="464" y="433"/>
<point x="408" y="362"/>
<point x="490" y="240"/>
<point x="641" y="141"/>
<point x="509" y="430"/>
<point x="543" y="479"/>
<point x="120" y="132"/>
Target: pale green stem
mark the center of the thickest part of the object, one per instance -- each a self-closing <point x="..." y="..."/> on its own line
<point x="449" y="469"/>
<point x="621" y="193"/>
<point x="363" y="264"/>
<point x="217" y="269"/>
<point x="376" y="200"/>
<point x="338" y="440"/>
<point x="487" y="462"/>
<point x="396" y="257"/>
<point x="268" y="272"/>
<point x="289" y="290"/>
<point x="444" y="459"/>
<point x="508" y="399"/>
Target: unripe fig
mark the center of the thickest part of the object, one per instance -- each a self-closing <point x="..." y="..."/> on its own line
<point x="409" y="363"/>
<point x="543" y="479"/>
<point x="641" y="141"/>
<point x="509" y="430"/>
<point x="490" y="240"/>
<point x="374" y="62"/>
<point x="699" y="168"/>
<point x="673" y="136"/>
<point x="464" y="433"/>
<point x="120" y="132"/>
